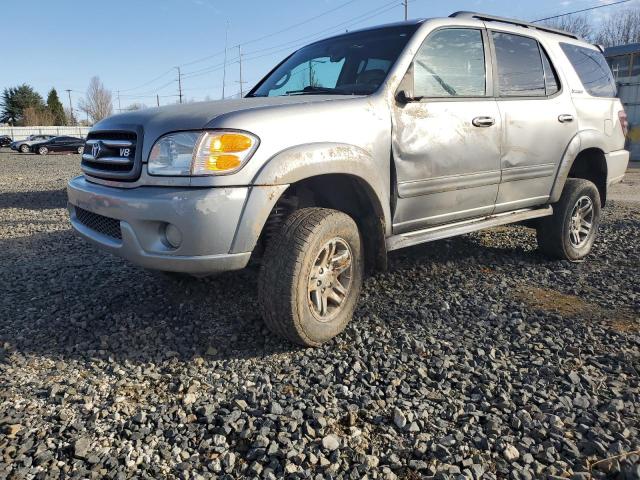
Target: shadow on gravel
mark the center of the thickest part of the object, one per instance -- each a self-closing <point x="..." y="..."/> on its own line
<point x="38" y="200"/>
<point x="472" y="247"/>
<point x="62" y="298"/>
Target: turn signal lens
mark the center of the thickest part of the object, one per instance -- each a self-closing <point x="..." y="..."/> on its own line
<point x="218" y="163"/>
<point x="230" y="142"/>
<point x="222" y="152"/>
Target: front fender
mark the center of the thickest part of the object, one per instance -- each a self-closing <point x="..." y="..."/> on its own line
<point x="315" y="159"/>
<point x="581" y="141"/>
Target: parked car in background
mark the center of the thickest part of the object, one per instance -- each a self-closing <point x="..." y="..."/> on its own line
<point x="23" y="146"/>
<point x="5" y="140"/>
<point x="58" y="145"/>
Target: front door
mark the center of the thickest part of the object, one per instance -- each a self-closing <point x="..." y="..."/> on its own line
<point x="446" y="139"/>
<point x="538" y="118"/>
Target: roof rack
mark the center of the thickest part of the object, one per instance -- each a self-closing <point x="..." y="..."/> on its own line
<point x="520" y="23"/>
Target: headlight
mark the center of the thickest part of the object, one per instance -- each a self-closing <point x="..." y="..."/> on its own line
<point x="201" y="153"/>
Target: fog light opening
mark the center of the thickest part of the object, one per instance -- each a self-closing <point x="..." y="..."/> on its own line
<point x="173" y="235"/>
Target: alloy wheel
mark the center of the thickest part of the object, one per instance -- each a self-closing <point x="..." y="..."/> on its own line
<point x="581" y="223"/>
<point x="330" y="279"/>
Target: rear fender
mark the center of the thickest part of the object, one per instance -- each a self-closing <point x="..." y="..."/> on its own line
<point x="581" y="141"/>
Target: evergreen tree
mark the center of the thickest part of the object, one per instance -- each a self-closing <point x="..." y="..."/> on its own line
<point x="15" y="100"/>
<point x="56" y="108"/>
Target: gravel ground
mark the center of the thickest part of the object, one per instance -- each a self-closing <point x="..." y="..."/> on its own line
<point x="471" y="358"/>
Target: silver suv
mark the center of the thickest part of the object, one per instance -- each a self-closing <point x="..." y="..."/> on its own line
<point x="355" y="146"/>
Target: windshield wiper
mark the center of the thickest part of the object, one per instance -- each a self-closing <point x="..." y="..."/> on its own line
<point x="312" y="90"/>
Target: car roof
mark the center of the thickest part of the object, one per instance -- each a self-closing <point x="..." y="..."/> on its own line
<point x="486" y="18"/>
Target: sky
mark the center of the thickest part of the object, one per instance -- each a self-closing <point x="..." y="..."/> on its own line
<point x="133" y="46"/>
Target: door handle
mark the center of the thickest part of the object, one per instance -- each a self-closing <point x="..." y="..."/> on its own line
<point x="565" y="118"/>
<point x="483" y="121"/>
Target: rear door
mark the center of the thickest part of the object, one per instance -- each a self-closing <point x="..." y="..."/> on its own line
<point x="538" y="118"/>
<point x="446" y="146"/>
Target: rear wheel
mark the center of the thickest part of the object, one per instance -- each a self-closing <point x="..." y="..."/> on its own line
<point x="80" y="149"/>
<point x="24" y="148"/>
<point x="311" y="276"/>
<point x="43" y="151"/>
<point x="569" y="233"/>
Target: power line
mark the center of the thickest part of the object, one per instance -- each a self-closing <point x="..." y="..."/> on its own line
<point x="221" y="52"/>
<point x="149" y="82"/>
<point x="581" y="11"/>
<point x="289" y="44"/>
<point x="263" y="37"/>
<point x="384" y="10"/>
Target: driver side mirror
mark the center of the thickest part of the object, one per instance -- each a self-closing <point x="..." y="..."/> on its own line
<point x="403" y="97"/>
<point x="405" y="93"/>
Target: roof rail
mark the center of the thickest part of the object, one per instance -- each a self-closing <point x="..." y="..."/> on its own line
<point x="520" y="23"/>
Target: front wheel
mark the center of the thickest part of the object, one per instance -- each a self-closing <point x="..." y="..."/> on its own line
<point x="569" y="233"/>
<point x="43" y="150"/>
<point x="24" y="148"/>
<point x="311" y="276"/>
<point x="80" y="149"/>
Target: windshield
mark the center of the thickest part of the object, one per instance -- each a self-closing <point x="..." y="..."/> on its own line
<point x="352" y="64"/>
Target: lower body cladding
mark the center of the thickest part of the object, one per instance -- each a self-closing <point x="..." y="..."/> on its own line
<point x="191" y="230"/>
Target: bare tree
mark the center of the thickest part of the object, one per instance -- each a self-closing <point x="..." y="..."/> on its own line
<point x="33" y="116"/>
<point x="579" y="25"/>
<point x="97" y="103"/>
<point x="620" y="28"/>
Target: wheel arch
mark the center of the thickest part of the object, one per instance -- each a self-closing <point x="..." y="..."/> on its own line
<point x="331" y="175"/>
<point x="584" y="158"/>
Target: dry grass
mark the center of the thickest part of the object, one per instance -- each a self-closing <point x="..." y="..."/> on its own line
<point x="552" y="301"/>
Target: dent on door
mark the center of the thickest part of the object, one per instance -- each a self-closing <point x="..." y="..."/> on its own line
<point x="447" y="168"/>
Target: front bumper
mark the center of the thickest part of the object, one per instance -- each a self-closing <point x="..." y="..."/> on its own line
<point x="208" y="219"/>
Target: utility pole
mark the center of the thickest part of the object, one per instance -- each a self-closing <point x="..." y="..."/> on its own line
<point x="224" y="67"/>
<point x="70" y="106"/>
<point x="406" y="9"/>
<point x="157" y="99"/>
<point x="240" y="59"/>
<point x="119" y="107"/>
<point x="179" y="84"/>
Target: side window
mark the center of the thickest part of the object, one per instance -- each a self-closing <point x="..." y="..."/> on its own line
<point x="520" y="70"/>
<point x="593" y="70"/>
<point x="450" y="63"/>
<point x="551" y="81"/>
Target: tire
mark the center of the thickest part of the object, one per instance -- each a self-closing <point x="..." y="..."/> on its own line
<point x="559" y="235"/>
<point x="80" y="150"/>
<point x="43" y="150"/>
<point x="24" y="148"/>
<point x="298" y="255"/>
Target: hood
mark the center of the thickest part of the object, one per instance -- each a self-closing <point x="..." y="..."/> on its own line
<point x="194" y="116"/>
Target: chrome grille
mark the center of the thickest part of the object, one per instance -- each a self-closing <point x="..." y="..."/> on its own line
<point x="112" y="155"/>
<point x="99" y="223"/>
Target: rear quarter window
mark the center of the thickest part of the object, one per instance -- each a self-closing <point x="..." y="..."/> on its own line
<point x="592" y="69"/>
